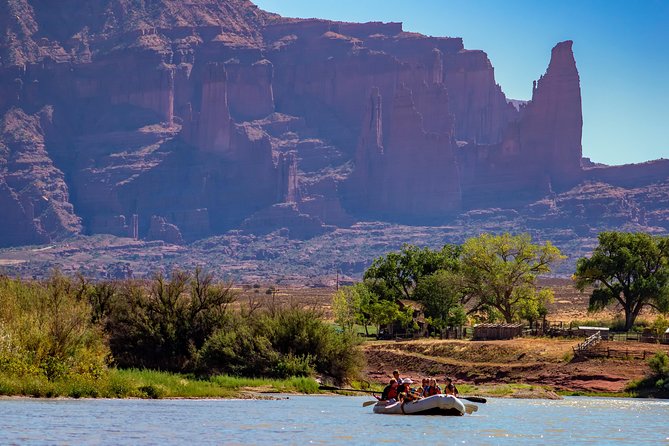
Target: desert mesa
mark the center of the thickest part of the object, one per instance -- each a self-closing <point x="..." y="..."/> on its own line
<point x="219" y="121"/>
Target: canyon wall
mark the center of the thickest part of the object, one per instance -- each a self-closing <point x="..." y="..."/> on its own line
<point x="194" y="120"/>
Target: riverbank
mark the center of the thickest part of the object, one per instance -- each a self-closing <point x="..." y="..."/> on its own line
<point x="521" y="368"/>
<point x="153" y="385"/>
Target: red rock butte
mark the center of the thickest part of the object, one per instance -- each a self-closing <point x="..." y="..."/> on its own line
<point x="180" y="120"/>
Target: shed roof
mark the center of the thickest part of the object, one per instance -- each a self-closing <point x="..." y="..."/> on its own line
<point x="488" y="325"/>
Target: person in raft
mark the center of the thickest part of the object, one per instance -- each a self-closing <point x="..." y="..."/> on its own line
<point x="390" y="392"/>
<point x="405" y="390"/>
<point x="407" y="394"/>
<point x="396" y="375"/>
<point x="425" y="387"/>
<point x="449" y="388"/>
<point x="434" y="388"/>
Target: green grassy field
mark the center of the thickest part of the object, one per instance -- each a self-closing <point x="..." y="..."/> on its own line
<point x="151" y="384"/>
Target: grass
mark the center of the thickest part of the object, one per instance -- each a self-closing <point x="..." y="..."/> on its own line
<point x="505" y="390"/>
<point x="135" y="383"/>
<point x="601" y="394"/>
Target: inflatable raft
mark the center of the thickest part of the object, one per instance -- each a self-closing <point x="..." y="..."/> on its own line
<point x="432" y="405"/>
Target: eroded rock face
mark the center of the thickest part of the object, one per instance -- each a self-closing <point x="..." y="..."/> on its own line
<point x="35" y="198"/>
<point x="160" y="229"/>
<point x="551" y="124"/>
<point x="217" y="115"/>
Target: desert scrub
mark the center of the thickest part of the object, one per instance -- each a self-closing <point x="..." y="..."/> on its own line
<point x="46" y="331"/>
<point x="67" y="330"/>
<point x="657" y="382"/>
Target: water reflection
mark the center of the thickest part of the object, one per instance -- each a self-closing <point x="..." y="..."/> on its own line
<point x="328" y="420"/>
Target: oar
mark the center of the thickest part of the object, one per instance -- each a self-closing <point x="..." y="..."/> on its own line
<point x="369" y="403"/>
<point x="323" y="387"/>
<point x="471" y="408"/>
<point x="474" y="399"/>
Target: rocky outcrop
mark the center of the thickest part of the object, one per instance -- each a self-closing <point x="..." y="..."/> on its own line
<point x="285" y="216"/>
<point x="414" y="172"/>
<point x="551" y="124"/>
<point x="250" y="94"/>
<point x="192" y="120"/>
<point x="160" y="229"/>
<point x="210" y="128"/>
<point x="36" y="202"/>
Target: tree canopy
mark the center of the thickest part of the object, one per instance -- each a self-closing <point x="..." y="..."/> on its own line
<point x="498" y="274"/>
<point x="441" y="300"/>
<point x="631" y="269"/>
<point x="401" y="271"/>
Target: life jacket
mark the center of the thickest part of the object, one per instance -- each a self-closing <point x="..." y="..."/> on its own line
<point x="392" y="393"/>
<point x="434" y="390"/>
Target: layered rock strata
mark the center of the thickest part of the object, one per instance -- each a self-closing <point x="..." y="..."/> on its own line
<point x="175" y="122"/>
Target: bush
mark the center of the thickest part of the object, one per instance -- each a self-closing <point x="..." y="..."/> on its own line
<point x="46" y="330"/>
<point x="162" y="323"/>
<point x="238" y="349"/>
<point x="659" y="365"/>
<point x="301" y="332"/>
<point x="280" y="343"/>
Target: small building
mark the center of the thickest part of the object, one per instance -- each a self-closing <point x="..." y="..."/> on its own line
<point x="490" y="332"/>
<point x="589" y="331"/>
<point x="396" y="329"/>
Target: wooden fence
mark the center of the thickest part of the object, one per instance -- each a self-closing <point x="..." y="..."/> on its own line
<point x="605" y="352"/>
<point x="588" y="345"/>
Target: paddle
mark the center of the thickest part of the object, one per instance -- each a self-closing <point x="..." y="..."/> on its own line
<point x="369" y="403"/>
<point x="471" y="408"/>
<point x="474" y="399"/>
<point x="324" y="387"/>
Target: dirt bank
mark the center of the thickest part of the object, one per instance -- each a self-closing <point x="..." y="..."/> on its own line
<point x="544" y="362"/>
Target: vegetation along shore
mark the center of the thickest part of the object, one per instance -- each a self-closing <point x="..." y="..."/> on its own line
<point x="483" y="312"/>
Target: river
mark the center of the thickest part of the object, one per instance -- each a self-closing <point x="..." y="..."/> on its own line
<point x="327" y="420"/>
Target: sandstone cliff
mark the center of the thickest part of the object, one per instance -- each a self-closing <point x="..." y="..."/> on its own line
<point x="200" y="118"/>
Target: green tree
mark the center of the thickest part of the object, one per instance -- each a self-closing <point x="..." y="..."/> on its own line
<point x="441" y="298"/>
<point x="358" y="304"/>
<point x="498" y="274"/>
<point x="347" y="306"/>
<point x="630" y="269"/>
<point x="402" y="271"/>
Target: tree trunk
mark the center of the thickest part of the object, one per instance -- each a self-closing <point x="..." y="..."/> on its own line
<point x="629" y="319"/>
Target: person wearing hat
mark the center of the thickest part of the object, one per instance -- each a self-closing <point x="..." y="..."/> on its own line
<point x="406" y="393"/>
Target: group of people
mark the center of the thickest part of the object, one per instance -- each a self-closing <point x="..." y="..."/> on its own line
<point x="399" y="389"/>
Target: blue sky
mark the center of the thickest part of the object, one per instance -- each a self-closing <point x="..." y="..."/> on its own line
<point x="621" y="49"/>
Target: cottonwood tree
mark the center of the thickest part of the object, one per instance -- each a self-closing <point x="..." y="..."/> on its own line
<point x="401" y="271"/>
<point x="358" y="304"/>
<point x="630" y="269"/>
<point x="498" y="274"/>
<point x="441" y="299"/>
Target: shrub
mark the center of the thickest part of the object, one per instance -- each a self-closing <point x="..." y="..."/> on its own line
<point x="161" y="324"/>
<point x="301" y="332"/>
<point x="238" y="350"/>
<point x="281" y="342"/>
<point x="659" y="364"/>
<point x="46" y="330"/>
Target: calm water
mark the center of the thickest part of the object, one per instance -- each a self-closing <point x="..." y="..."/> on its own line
<point x="328" y="420"/>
